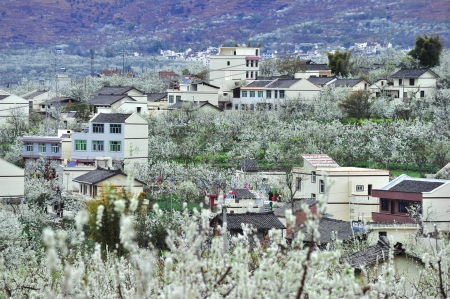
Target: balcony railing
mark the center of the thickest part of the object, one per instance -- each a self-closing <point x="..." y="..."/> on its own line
<point x="388" y="218"/>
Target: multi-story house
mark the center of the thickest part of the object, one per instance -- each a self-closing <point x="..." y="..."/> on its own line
<point x="233" y="64"/>
<point x="156" y="101"/>
<point x="10" y="103"/>
<point x="431" y="198"/>
<point x="354" y="84"/>
<point x="119" y="98"/>
<point x="348" y="190"/>
<point x="11" y="185"/>
<point x="123" y="137"/>
<point x="194" y="89"/>
<point x="271" y="94"/>
<point x="56" y="148"/>
<point x="315" y="70"/>
<point x="37" y="99"/>
<point x="407" y="83"/>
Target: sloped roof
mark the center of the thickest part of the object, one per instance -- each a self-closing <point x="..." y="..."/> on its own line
<point x="332" y="229"/>
<point x="258" y="83"/>
<point x="243" y="194"/>
<point x="317" y="67"/>
<point x="320" y="160"/>
<point x="320" y="80"/>
<point x="114" y="90"/>
<point x="105" y="99"/>
<point x="281" y="212"/>
<point x="33" y="95"/>
<point x="99" y="175"/>
<point x="249" y="165"/>
<point x="155" y="97"/>
<point x="416" y="186"/>
<point x="111" y="118"/>
<point x="370" y="255"/>
<point x="282" y="83"/>
<point x="346" y="82"/>
<point x="412" y="73"/>
<point x="196" y="104"/>
<point x="261" y="221"/>
<point x="3" y="96"/>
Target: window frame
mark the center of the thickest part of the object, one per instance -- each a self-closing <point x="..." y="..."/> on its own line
<point x="115" y="128"/>
<point x="422" y="93"/>
<point x="98" y="128"/>
<point x="313" y="195"/>
<point x="178" y="99"/>
<point x="313" y="177"/>
<point x="359" y="189"/>
<point x="321" y="186"/>
<point x="55" y="148"/>
<point x="400" y="82"/>
<point x="171" y="99"/>
<point x="384" y="204"/>
<point x="282" y="94"/>
<point x="29" y="146"/>
<point x="299" y="184"/>
<point x="97" y="144"/>
<point x="244" y="93"/>
<point x="402" y="206"/>
<point x="413" y="81"/>
<point x="117" y="144"/>
<point x="260" y="93"/>
<point x="252" y="93"/>
<point x="80" y="144"/>
<point x="42" y="147"/>
<point x="268" y="94"/>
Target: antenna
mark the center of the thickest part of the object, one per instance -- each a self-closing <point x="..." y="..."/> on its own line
<point x="53" y="90"/>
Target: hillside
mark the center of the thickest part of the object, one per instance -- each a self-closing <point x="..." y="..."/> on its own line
<point x="184" y="23"/>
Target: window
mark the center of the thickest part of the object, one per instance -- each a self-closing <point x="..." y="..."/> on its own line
<point x="402" y="205"/>
<point x="138" y="109"/>
<point x="313" y="195"/>
<point x="251" y="63"/>
<point x="299" y="184"/>
<point x="244" y="93"/>
<point x="321" y="186"/>
<point x="385" y="204"/>
<point x="260" y="94"/>
<point x="115" y="146"/>
<point x="80" y="145"/>
<point x="55" y="148"/>
<point x="382" y="83"/>
<point x="281" y="94"/>
<point x="411" y="82"/>
<point x="400" y="82"/>
<point x="313" y="176"/>
<point x="359" y="188"/>
<point x="268" y="94"/>
<point x="30" y="104"/>
<point x="29" y="146"/>
<point x="382" y="234"/>
<point x="252" y="93"/>
<point x="98" y="128"/>
<point x="405" y="95"/>
<point x="236" y="106"/>
<point x="251" y="74"/>
<point x="246" y="74"/>
<point x="247" y="62"/>
<point x="171" y="99"/>
<point x="256" y="63"/>
<point x="42" y="147"/>
<point x="422" y="93"/>
<point x="178" y="99"/>
<point x="43" y="106"/>
<point x="115" y="128"/>
<point x="234" y="53"/>
<point x="276" y="94"/>
<point x="228" y="62"/>
<point x="97" y="146"/>
<point x="369" y="189"/>
<point x="256" y="52"/>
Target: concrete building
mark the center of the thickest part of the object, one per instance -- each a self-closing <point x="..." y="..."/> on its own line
<point x="10" y="103"/>
<point x="234" y="64"/>
<point x="125" y="99"/>
<point x="11" y="185"/>
<point x="50" y="147"/>
<point x="123" y="137"/>
<point x="348" y="190"/>
<point x="194" y="89"/>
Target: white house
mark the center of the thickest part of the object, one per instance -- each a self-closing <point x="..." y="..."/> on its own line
<point x="194" y="89"/>
<point x="11" y="103"/>
<point x="11" y="185"/>
<point x="126" y="99"/>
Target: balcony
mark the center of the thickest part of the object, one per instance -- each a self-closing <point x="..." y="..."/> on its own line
<point x="391" y="225"/>
<point x="386" y="217"/>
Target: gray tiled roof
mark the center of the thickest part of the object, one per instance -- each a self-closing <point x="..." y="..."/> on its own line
<point x="115" y="118"/>
<point x="155" y="97"/>
<point x="3" y="96"/>
<point x="320" y="80"/>
<point x="415" y="186"/>
<point x="281" y="212"/>
<point x="259" y="83"/>
<point x="332" y="229"/>
<point x="33" y="95"/>
<point x="317" y="67"/>
<point x="249" y="165"/>
<point x="411" y="73"/>
<point x="105" y="99"/>
<point x="346" y="82"/>
<point x="71" y="114"/>
<point x="96" y="176"/>
<point x="243" y="194"/>
<point x="114" y="90"/>
<point x="196" y="104"/>
<point x="282" y="83"/>
<point x="257" y="220"/>
<point x="370" y="255"/>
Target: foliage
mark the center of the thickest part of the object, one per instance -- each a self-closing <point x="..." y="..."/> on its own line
<point x="339" y="63"/>
<point x="427" y="50"/>
<point x="357" y="104"/>
<point x="290" y="65"/>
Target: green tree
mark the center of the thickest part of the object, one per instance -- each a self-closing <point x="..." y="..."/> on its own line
<point x="290" y="65"/>
<point x="427" y="50"/>
<point x="357" y="104"/>
<point x="339" y="63"/>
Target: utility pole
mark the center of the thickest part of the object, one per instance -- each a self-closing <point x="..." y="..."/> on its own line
<point x="53" y="90"/>
<point x="92" y="61"/>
